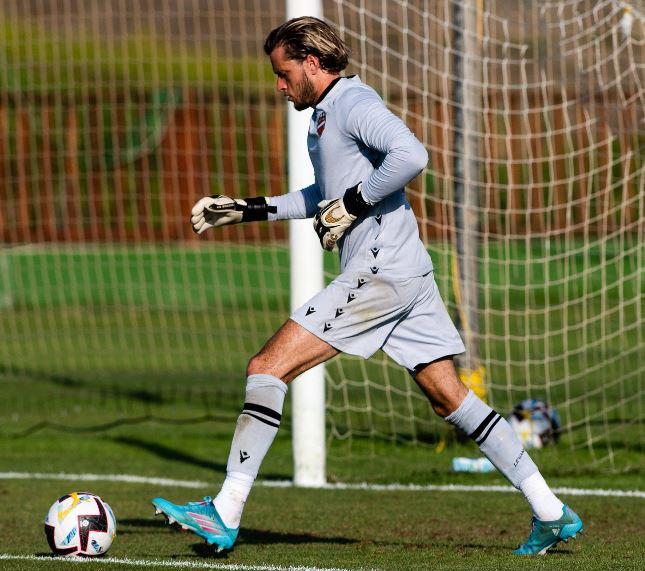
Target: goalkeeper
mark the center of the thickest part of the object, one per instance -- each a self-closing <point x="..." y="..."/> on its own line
<point x="385" y="297"/>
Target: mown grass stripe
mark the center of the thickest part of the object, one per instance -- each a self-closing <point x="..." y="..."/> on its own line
<point x="395" y="487"/>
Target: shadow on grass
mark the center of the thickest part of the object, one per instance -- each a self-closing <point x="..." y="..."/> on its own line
<point x="260" y="537"/>
<point x="170" y="454"/>
<point x="90" y="385"/>
<point x="247" y="536"/>
<point x="264" y="537"/>
<point x="176" y="455"/>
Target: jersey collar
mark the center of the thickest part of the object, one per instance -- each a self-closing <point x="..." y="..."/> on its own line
<point x="327" y="90"/>
<point x="333" y="90"/>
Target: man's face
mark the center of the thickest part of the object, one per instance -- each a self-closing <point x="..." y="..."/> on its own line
<point x="292" y="80"/>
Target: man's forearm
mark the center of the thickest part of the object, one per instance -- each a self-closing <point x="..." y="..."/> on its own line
<point x="300" y="204"/>
<point x="405" y="160"/>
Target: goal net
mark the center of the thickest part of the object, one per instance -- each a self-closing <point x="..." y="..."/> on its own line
<point x="531" y="206"/>
<point x="116" y="116"/>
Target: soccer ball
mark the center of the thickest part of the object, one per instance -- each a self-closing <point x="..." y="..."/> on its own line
<point x="535" y="423"/>
<point x="80" y="523"/>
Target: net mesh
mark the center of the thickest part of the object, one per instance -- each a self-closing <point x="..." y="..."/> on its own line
<point x="537" y="107"/>
<point x="116" y="116"/>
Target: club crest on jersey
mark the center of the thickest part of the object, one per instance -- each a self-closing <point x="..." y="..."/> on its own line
<point x="320" y="123"/>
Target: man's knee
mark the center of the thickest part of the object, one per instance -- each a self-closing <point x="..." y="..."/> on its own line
<point x="259" y="365"/>
<point x="441" y="384"/>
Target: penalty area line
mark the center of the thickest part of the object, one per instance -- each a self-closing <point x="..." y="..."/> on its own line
<point x="197" y="484"/>
<point x="174" y="564"/>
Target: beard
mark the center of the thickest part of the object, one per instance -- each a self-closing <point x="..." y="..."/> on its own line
<point x="305" y="95"/>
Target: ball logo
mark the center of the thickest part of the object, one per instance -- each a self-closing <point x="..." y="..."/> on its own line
<point x="63" y="513"/>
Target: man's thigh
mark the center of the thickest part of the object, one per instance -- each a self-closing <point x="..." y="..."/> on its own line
<point x="291" y="351"/>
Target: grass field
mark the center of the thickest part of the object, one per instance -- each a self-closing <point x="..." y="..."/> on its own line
<point x="166" y="331"/>
<point x="118" y="361"/>
<point x="289" y="527"/>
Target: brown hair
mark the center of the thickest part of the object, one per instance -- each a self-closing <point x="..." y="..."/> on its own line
<point x="307" y="35"/>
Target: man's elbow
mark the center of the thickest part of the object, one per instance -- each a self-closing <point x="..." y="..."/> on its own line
<point x="418" y="158"/>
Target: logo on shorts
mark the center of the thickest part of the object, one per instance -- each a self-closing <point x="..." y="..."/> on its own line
<point x="361" y="282"/>
<point x="327" y="327"/>
<point x="310" y="310"/>
<point x="374" y="269"/>
<point x="339" y="311"/>
<point x="375" y="251"/>
<point x="351" y="297"/>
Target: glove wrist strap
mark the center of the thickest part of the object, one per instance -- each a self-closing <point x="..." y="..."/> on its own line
<point x="354" y="202"/>
<point x="257" y="209"/>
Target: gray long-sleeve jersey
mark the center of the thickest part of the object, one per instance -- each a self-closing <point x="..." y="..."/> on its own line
<point x="354" y="138"/>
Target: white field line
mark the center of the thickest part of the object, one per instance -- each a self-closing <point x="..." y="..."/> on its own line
<point x="127" y="478"/>
<point x="197" y="484"/>
<point x="174" y="564"/>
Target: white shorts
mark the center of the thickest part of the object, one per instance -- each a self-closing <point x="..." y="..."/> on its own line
<point x="360" y="313"/>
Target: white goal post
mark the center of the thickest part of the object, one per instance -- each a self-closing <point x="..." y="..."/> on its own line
<point x="308" y="390"/>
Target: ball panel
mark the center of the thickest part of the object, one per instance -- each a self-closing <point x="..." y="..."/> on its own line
<point x="90" y="523"/>
<point x="50" y="533"/>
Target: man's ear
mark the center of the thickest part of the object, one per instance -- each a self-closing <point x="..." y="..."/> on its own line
<point x="313" y="63"/>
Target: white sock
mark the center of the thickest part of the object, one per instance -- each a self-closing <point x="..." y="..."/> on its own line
<point x="544" y="503"/>
<point x="230" y="501"/>
<point x="254" y="433"/>
<point x="495" y="438"/>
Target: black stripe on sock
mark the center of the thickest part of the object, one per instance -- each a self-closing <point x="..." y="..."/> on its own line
<point x="483" y="425"/>
<point x="481" y="440"/>
<point x="263" y="409"/>
<point x="262" y="419"/>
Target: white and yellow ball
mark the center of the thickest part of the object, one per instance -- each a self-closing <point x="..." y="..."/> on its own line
<point x="80" y="523"/>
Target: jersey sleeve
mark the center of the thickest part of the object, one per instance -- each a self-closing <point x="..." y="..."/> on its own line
<point x="300" y="204"/>
<point x="370" y="122"/>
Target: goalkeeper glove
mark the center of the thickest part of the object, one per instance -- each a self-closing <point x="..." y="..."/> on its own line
<point x="336" y="216"/>
<point x="214" y="211"/>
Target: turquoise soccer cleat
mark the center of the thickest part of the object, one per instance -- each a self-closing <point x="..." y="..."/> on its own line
<point x="201" y="518"/>
<point x="547" y="534"/>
